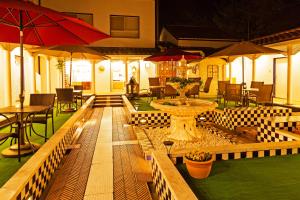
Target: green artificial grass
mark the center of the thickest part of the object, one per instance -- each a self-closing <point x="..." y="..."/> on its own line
<point x="270" y="178"/>
<point x="142" y="104"/>
<point x="9" y="166"/>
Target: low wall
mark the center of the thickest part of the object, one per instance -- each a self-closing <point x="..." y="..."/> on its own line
<point x="168" y="182"/>
<point x="269" y="129"/>
<point x="230" y="118"/>
<point x="32" y="178"/>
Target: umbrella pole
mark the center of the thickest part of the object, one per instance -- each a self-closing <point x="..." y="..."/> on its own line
<point x="243" y="71"/>
<point x="21" y="96"/>
<point x="71" y="70"/>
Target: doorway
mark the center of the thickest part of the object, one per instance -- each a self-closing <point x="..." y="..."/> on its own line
<point x="118" y="76"/>
<point x="280" y="79"/>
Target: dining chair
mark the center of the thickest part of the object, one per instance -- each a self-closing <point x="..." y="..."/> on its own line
<point x="170" y="91"/>
<point x="65" y="96"/>
<point x="195" y="89"/>
<point x="221" y="90"/>
<point x="207" y="85"/>
<point x="233" y="92"/>
<point x="10" y="129"/>
<point x="42" y="118"/>
<point x="155" y="92"/>
<point x="264" y="95"/>
<point x="255" y="84"/>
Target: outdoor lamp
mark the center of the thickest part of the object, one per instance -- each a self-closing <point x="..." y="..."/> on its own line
<point x="202" y="119"/>
<point x="168" y="144"/>
<point x="142" y="121"/>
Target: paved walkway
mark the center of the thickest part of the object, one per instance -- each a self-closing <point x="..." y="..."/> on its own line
<point x="109" y="163"/>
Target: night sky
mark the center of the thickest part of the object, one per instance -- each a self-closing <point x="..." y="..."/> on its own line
<point x="245" y="19"/>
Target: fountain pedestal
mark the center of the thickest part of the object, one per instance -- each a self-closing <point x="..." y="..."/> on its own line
<point x="183" y="122"/>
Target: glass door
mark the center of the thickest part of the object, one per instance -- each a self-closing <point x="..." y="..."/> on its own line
<point x="118" y="74"/>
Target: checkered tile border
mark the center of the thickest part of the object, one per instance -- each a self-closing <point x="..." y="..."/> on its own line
<point x="161" y="187"/>
<point x="230" y="118"/>
<point x="255" y="150"/>
<point x="267" y="130"/>
<point x="250" y="116"/>
<point x="38" y="182"/>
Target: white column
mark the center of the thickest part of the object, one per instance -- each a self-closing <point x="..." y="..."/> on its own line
<point x="229" y="71"/>
<point x="48" y="74"/>
<point x="93" y="77"/>
<point x="289" y="74"/>
<point x="8" y="75"/>
<point x="253" y="68"/>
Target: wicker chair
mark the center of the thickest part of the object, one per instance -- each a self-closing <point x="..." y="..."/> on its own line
<point x="170" y="92"/>
<point x="196" y="89"/>
<point x="221" y="90"/>
<point x="264" y="95"/>
<point x="207" y="85"/>
<point x="233" y="93"/>
<point x="12" y="132"/>
<point x="255" y="84"/>
<point x="42" y="118"/>
<point x="65" y="96"/>
<point x="154" y="92"/>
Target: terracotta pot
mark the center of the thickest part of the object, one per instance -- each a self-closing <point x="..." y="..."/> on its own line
<point x="197" y="169"/>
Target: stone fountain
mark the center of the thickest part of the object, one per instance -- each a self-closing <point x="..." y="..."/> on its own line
<point x="183" y="110"/>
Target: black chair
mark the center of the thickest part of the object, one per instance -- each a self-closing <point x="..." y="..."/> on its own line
<point x="10" y="130"/>
<point x="13" y="129"/>
<point x="42" y="118"/>
<point x="65" y="96"/>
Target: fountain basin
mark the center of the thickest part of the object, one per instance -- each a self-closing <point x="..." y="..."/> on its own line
<point x="183" y="112"/>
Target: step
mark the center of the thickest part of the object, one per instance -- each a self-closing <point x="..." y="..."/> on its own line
<point x="108" y="105"/>
<point x="107" y="100"/>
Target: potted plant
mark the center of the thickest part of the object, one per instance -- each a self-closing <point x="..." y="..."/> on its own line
<point x="198" y="164"/>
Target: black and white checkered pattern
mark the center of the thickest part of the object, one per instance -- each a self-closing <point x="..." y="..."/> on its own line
<point x="267" y="130"/>
<point x="38" y="182"/>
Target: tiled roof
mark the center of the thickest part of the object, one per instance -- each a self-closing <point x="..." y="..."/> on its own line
<point x="278" y="37"/>
<point x="126" y="50"/>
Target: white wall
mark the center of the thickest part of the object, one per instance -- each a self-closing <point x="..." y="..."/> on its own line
<point x="3" y="78"/>
<point x="147" y="69"/>
<point x="102" y="9"/>
<point x="203" y="74"/>
<point x="55" y="75"/>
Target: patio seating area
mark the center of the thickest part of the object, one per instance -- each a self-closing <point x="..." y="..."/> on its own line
<point x="134" y="100"/>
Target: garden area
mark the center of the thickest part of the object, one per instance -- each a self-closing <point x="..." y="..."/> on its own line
<point x="275" y="178"/>
<point x="9" y="166"/>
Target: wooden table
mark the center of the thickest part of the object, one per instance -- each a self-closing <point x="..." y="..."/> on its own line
<point x="22" y="148"/>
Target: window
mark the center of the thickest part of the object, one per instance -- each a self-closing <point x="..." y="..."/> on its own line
<point x="87" y="17"/>
<point x="124" y="26"/>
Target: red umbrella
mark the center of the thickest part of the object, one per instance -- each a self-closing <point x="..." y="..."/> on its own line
<point x="26" y="23"/>
<point x="173" y="54"/>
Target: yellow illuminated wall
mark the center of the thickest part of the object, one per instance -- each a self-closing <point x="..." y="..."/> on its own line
<point x="15" y="74"/>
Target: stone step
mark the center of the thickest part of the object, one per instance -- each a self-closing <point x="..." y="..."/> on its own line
<point x="96" y="105"/>
<point x="109" y="100"/>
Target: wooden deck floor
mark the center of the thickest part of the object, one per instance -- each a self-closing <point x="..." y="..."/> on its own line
<point x="130" y="171"/>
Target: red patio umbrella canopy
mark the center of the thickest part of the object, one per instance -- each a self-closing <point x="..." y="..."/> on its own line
<point x="173" y="54"/>
<point x="24" y="22"/>
<point x="42" y="26"/>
